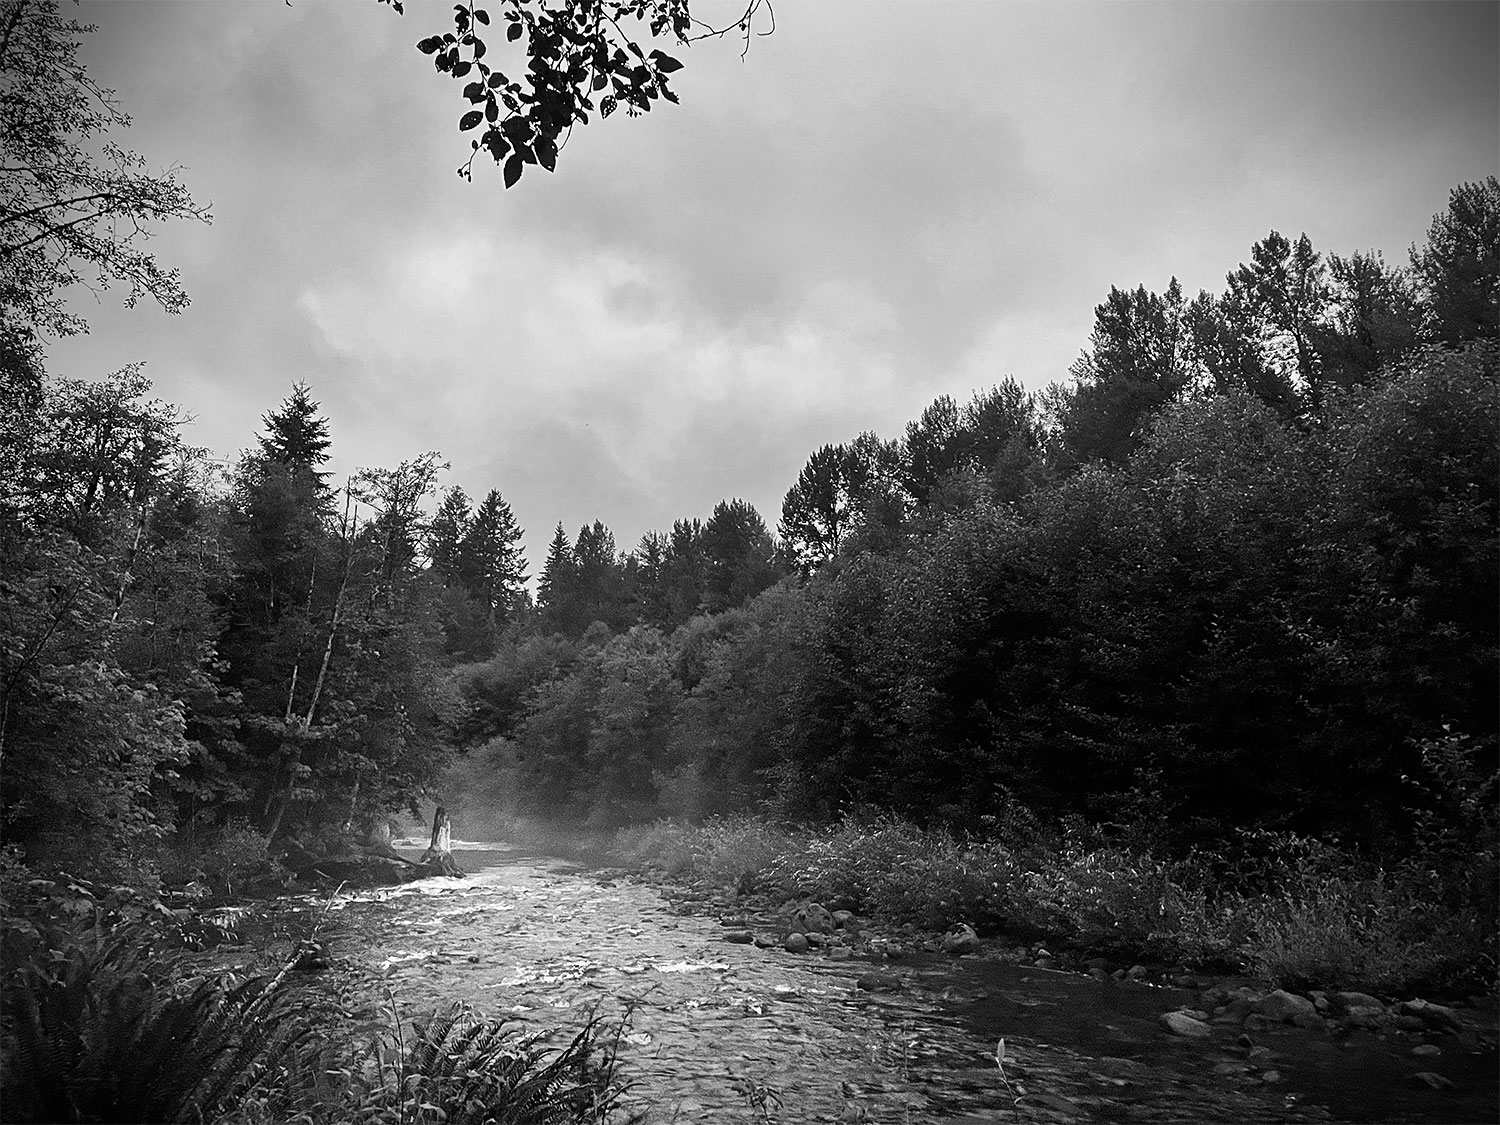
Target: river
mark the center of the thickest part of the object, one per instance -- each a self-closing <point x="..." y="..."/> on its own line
<point x="721" y="1032"/>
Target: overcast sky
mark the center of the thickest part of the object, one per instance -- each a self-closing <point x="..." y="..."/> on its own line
<point x="883" y="202"/>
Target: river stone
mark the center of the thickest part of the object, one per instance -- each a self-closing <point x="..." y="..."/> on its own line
<point x="1366" y="1017"/>
<point x="879" y="982"/>
<point x="813" y="918"/>
<point x="1405" y="1022"/>
<point x="1436" y="1081"/>
<point x="1137" y="972"/>
<point x="1287" y="1007"/>
<point x="961" y="940"/>
<point x="1260" y="1056"/>
<point x="1427" y="1050"/>
<point x="795" y="943"/>
<point x="766" y="941"/>
<point x="1097" y="963"/>
<point x="1180" y="1023"/>
<point x="1271" y="1077"/>
<point x="739" y="937"/>
<point x="1433" y="1015"/>
<point x="1045" y="963"/>
<point x="840" y="953"/>
<point x="1347" y="1000"/>
<point x="842" y="918"/>
<point x="815" y="939"/>
<point x="1185" y="981"/>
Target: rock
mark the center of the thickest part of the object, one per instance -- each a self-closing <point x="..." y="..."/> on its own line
<point x="1044" y="963"/>
<point x="840" y="953"/>
<point x="1436" y="1081"/>
<point x="812" y="918"/>
<point x="766" y="941"/>
<point x="816" y="940"/>
<point x="1343" y="1001"/>
<point x="1369" y="1018"/>
<point x="1101" y="963"/>
<point x="879" y="982"/>
<point x="1257" y="1022"/>
<point x="842" y="918"/>
<point x="1099" y="974"/>
<point x="1136" y="972"/>
<point x="739" y="937"/>
<point x="1271" y="1077"/>
<point x="1185" y="981"/>
<point x="795" y="943"/>
<point x="1180" y="1023"/>
<point x="1406" y="1022"/>
<point x="961" y="940"/>
<point x="1427" y="1050"/>
<point x="1286" y="1007"/>
<point x="893" y="951"/>
<point x="1432" y="1015"/>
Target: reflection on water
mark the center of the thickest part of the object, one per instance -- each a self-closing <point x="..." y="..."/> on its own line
<point x="724" y="1032"/>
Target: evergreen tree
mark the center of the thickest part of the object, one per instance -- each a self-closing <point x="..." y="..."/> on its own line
<point x="740" y="556"/>
<point x="556" y="589"/>
<point x="491" y="563"/>
<point x="446" y="531"/>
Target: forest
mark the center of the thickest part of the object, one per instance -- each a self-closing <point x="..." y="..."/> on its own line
<point x="1235" y="578"/>
<point x="1218" y="609"/>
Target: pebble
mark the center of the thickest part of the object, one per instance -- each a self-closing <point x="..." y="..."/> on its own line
<point x="1271" y="1077"/>
<point x="1427" y="1050"/>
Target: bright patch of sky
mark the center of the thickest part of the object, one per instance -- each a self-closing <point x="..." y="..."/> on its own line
<point x="883" y="202"/>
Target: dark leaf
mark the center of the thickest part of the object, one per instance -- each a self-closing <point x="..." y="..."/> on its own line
<point x="607" y="105"/>
<point x="474" y="91"/>
<point x="665" y="63"/>
<point x="513" y="170"/>
<point x="601" y="80"/>
<point x="479" y="48"/>
<point x="482" y="16"/>
<point x="470" y="120"/>
<point x="430" y="45"/>
<point x="491" y="109"/>
<point x="546" y="154"/>
<point x="462" y="67"/>
<point x="513" y="32"/>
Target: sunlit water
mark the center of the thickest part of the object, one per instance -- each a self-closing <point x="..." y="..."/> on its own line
<point x="717" y="1032"/>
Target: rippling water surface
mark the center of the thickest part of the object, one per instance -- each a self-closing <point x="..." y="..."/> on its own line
<point x="721" y="1032"/>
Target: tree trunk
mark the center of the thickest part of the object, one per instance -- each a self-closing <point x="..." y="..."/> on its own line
<point x="439" y="853"/>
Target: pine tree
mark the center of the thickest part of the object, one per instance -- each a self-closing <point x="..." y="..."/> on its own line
<point x="557" y="587"/>
<point x="491" y="564"/>
<point x="446" y="531"/>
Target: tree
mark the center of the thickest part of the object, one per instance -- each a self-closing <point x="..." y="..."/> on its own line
<point x="557" y="587"/>
<point x="491" y="563"/>
<point x="1135" y="364"/>
<point x="739" y="553"/>
<point x="447" y="529"/>
<point x="573" y="50"/>
<point x="1285" y="285"/>
<point x="75" y="207"/>
<point x="1459" y="268"/>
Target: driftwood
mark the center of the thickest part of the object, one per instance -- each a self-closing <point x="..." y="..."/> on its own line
<point x="439" y="854"/>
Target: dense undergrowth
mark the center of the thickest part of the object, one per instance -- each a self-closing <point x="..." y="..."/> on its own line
<point x="104" y="1023"/>
<point x="1299" y="912"/>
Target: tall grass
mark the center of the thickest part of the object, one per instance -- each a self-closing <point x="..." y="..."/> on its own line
<point x="1306" y="916"/>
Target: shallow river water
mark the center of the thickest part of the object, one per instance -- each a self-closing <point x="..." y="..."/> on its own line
<point x="720" y="1032"/>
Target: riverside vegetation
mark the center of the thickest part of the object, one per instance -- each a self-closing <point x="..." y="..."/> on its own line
<point x="1190" y="655"/>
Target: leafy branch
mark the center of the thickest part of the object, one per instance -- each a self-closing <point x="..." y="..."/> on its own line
<point x="576" y="59"/>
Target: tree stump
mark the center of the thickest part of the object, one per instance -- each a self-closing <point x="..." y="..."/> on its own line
<point x="439" y="853"/>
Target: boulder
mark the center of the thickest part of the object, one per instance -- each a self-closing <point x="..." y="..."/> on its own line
<point x="1344" y="1001"/>
<point x="812" y="918"/>
<point x="842" y="918"/>
<point x="1435" y="1016"/>
<point x="1287" y="1007"/>
<point x="879" y="982"/>
<point x="739" y="937"/>
<point x="961" y="940"/>
<point x="1136" y="972"/>
<point x="795" y="943"/>
<point x="1180" y="1023"/>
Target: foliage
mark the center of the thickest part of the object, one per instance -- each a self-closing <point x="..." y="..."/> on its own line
<point x="572" y="51"/>
<point x="75" y="207"/>
<point x="94" y="1034"/>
